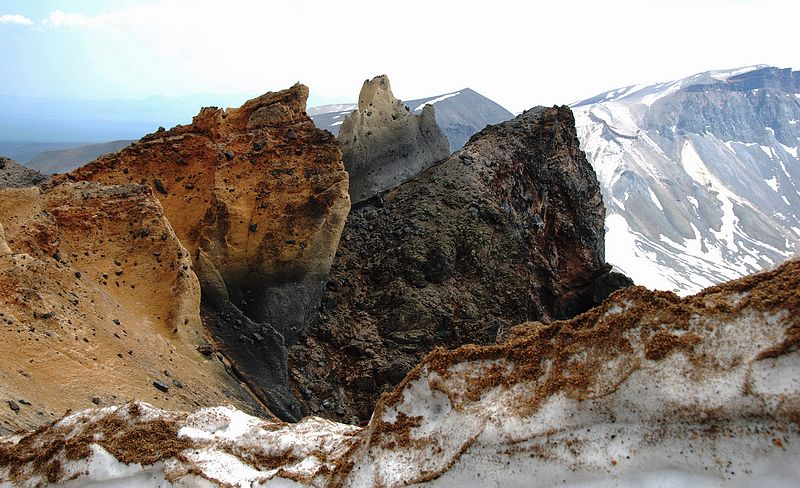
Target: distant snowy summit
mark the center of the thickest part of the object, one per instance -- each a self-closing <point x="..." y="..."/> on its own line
<point x="460" y="114"/>
<point x="700" y="176"/>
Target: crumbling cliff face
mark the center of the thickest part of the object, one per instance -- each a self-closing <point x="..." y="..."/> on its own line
<point x="507" y="230"/>
<point x="259" y="197"/>
<point x="646" y="389"/>
<point x="99" y="306"/>
<point x="384" y="143"/>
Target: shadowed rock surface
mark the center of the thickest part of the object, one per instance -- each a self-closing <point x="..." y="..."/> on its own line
<point x="384" y="143"/>
<point x="15" y="175"/>
<point x="258" y="196"/>
<point x="507" y="230"/>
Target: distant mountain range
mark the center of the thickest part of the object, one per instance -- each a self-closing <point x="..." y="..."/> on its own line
<point x="460" y="114"/>
<point x="64" y="120"/>
<point x="64" y="160"/>
<point x="700" y="175"/>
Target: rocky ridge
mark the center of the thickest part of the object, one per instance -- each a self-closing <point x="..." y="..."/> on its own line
<point x="647" y="388"/>
<point x="258" y="196"/>
<point x="384" y="143"/>
<point x="507" y="230"/>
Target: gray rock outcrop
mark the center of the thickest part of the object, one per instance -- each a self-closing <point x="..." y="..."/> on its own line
<point x="384" y="143"/>
<point x="15" y="175"/>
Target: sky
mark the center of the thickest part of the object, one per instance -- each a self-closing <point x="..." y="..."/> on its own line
<point x="518" y="53"/>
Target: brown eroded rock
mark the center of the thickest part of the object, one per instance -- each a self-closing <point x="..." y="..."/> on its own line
<point x="98" y="301"/>
<point x="509" y="229"/>
<point x="258" y="196"/>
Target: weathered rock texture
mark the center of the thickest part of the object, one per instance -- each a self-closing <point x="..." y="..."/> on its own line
<point x="384" y="144"/>
<point x="646" y="390"/>
<point x="258" y="196"/>
<point x="507" y="230"/>
<point x="97" y="302"/>
<point x="14" y="175"/>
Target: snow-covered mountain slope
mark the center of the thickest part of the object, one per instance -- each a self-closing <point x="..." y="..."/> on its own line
<point x="700" y="176"/>
<point x="459" y="114"/>
<point x="646" y="390"/>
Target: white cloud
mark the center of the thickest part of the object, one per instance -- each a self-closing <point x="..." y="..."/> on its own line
<point x="59" y="19"/>
<point x="15" y="19"/>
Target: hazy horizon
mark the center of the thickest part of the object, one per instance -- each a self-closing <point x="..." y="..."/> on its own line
<point x="518" y="55"/>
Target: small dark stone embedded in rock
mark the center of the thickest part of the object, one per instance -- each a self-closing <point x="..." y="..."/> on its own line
<point x="159" y="186"/>
<point x="253" y="227"/>
<point x="291" y="134"/>
<point x="205" y="349"/>
<point x="116" y="321"/>
<point x="229" y="155"/>
<point x="57" y="256"/>
<point x="144" y="232"/>
<point x="257" y="146"/>
<point x="96" y="400"/>
<point x="25" y="402"/>
<point x="77" y="274"/>
<point x="13" y="405"/>
<point x="160" y="385"/>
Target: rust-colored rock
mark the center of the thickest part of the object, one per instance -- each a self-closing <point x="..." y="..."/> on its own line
<point x="258" y="196"/>
<point x="97" y="301"/>
<point x="507" y="230"/>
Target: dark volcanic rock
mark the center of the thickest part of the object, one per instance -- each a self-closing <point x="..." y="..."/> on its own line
<point x="14" y="175"/>
<point x="384" y="143"/>
<point x="507" y="230"/>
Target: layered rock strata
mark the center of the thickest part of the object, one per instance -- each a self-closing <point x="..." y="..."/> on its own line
<point x="507" y="230"/>
<point x="384" y="143"/>
<point x="258" y="196"/>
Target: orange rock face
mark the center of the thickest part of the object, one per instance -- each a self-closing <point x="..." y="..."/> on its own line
<point x="259" y="197"/>
<point x="97" y="302"/>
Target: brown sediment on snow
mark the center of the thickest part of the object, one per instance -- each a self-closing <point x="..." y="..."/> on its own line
<point x="635" y="380"/>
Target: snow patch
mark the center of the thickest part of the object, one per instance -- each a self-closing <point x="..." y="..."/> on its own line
<point x="435" y="100"/>
<point x="655" y="200"/>
<point x="773" y="183"/>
